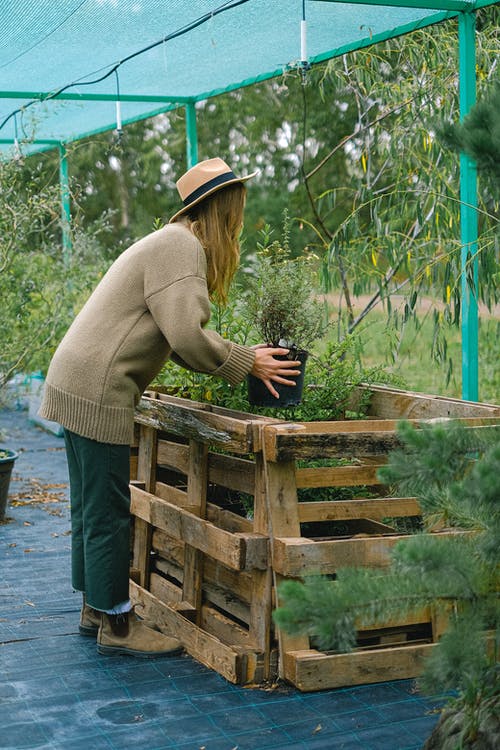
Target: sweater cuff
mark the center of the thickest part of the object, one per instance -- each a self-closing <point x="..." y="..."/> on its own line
<point x="238" y="365"/>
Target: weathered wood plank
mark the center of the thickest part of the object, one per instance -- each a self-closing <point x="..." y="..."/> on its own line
<point x="214" y="572"/>
<point x="297" y="557"/>
<point x="227" y="471"/>
<point x="223" y="628"/>
<point x="197" y="497"/>
<point x="202" y="646"/>
<point x="338" y="476"/>
<point x="227" y="601"/>
<point x="282" y="447"/>
<point x="177" y="497"/>
<point x="283" y="520"/>
<point x="340" y="510"/>
<point x="146" y="473"/>
<point x="310" y="670"/>
<point x="165" y="590"/>
<point x="261" y="604"/>
<point x="227" y="520"/>
<point x="173" y="455"/>
<point x="133" y="466"/>
<point x="392" y="403"/>
<point x="234" y="550"/>
<point x="146" y="467"/>
<point x="234" y="473"/>
<point x="195" y="423"/>
<point x="342" y="439"/>
<point x="168" y="547"/>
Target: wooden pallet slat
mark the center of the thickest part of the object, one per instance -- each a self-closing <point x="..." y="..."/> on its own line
<point x="234" y="550"/>
<point x="202" y="646"/>
<point x="312" y="670"/>
<point x="209" y="575"/>
<point x="338" y="510"/>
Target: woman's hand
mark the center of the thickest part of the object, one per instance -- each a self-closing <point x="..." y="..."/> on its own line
<point x="268" y="369"/>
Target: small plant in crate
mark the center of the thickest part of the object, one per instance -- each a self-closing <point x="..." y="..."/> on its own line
<point x="283" y="309"/>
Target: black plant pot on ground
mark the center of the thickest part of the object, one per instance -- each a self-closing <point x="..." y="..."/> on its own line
<point x="7" y="459"/>
<point x="290" y="395"/>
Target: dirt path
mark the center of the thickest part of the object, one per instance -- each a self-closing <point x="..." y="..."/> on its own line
<point x="424" y="304"/>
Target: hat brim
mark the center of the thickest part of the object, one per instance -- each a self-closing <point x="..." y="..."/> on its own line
<point x="187" y="208"/>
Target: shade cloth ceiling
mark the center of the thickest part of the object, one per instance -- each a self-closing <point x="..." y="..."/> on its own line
<point x="209" y="47"/>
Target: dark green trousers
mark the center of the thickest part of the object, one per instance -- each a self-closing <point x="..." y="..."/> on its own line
<point x="100" y="519"/>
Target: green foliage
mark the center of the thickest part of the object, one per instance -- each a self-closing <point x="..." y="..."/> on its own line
<point x="479" y="135"/>
<point x="281" y="302"/>
<point x="330" y="378"/>
<point x="40" y="289"/>
<point x="438" y="464"/>
<point x="352" y="155"/>
<point x="392" y="230"/>
<point x="457" y="573"/>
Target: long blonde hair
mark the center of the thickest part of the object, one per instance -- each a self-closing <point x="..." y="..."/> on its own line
<point x="216" y="222"/>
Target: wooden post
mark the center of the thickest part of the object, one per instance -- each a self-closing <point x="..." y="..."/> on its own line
<point x="261" y="603"/>
<point x="146" y="473"/>
<point x="283" y="516"/>
<point x="197" y="498"/>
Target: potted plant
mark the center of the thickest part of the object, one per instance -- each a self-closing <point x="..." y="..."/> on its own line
<point x="7" y="460"/>
<point x="284" y="312"/>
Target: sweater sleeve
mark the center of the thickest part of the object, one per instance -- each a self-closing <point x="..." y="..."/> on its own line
<point x="181" y="311"/>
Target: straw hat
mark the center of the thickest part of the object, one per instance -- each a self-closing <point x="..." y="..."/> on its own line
<point x="202" y="180"/>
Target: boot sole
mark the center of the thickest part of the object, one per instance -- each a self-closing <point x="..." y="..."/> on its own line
<point x="119" y="650"/>
<point x="88" y="630"/>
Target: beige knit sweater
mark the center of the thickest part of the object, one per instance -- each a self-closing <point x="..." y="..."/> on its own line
<point x="152" y="304"/>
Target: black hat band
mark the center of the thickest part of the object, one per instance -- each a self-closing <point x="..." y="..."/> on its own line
<point x="207" y="186"/>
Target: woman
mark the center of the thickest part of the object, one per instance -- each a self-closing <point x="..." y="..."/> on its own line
<point x="151" y="305"/>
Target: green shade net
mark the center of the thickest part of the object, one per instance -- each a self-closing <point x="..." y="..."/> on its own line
<point x="48" y="44"/>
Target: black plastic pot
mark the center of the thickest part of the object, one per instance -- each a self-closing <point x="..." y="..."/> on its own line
<point x="6" y="466"/>
<point x="290" y="395"/>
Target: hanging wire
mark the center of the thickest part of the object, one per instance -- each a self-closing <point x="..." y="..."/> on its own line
<point x="229" y="5"/>
<point x="303" y="62"/>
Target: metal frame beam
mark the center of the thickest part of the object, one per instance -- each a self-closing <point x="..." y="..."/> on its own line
<point x="48" y="95"/>
<point x="453" y="5"/>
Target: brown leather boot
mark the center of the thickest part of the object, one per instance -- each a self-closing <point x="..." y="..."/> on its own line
<point x="90" y="619"/>
<point x="126" y="634"/>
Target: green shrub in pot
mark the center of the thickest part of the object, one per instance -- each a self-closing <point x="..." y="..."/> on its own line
<point x="284" y="310"/>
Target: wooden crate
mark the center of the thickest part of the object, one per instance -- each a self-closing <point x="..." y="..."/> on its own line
<point x="209" y="575"/>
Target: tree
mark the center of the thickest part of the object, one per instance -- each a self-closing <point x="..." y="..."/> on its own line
<point x="458" y="574"/>
<point x="351" y="151"/>
<point x="479" y="135"/>
<point x="39" y="288"/>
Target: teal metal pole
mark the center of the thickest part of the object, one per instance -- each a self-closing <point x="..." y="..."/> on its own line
<point x="65" y="203"/>
<point x="468" y="214"/>
<point x="191" y="135"/>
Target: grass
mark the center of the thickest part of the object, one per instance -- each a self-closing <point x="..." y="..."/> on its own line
<point x="409" y="356"/>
